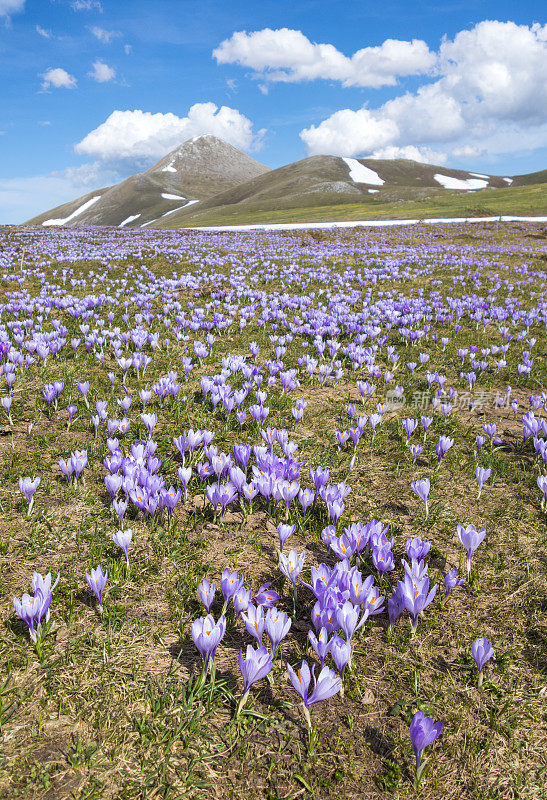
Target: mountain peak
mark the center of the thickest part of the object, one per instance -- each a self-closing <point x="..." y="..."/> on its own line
<point x="208" y="156"/>
<point x="194" y="171"/>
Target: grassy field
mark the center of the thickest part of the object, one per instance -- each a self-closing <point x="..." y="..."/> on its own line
<point x="515" y="201"/>
<point x="112" y="706"/>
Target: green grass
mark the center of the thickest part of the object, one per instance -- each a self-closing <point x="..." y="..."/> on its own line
<point x="514" y="201"/>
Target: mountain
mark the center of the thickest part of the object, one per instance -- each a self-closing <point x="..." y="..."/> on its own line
<point x="206" y="181"/>
<point x="331" y="180"/>
<point x="194" y="171"/>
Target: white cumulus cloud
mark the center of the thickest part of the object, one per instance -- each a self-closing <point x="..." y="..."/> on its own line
<point x="101" y="72"/>
<point x="58" y="78"/>
<point x="8" y="7"/>
<point x="132" y="135"/>
<point x="350" y="133"/>
<point x="288" y="56"/>
<point x="489" y="96"/>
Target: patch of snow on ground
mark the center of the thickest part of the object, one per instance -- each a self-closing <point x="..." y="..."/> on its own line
<point x="172" y="196"/>
<point x="369" y="223"/>
<point x="179" y="208"/>
<point x="150" y="221"/>
<point x="508" y="180"/>
<point x="169" y="168"/>
<point x="128" y="220"/>
<point x="458" y="183"/>
<point x="361" y="174"/>
<point x="79" y="210"/>
<point x="478" y="175"/>
<point x="373" y="191"/>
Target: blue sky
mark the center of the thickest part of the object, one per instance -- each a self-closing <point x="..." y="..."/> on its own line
<point x="94" y="91"/>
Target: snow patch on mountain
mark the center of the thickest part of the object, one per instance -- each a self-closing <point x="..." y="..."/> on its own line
<point x="128" y="220"/>
<point x="457" y="183"/>
<point x="78" y="211"/>
<point x="361" y="174"/>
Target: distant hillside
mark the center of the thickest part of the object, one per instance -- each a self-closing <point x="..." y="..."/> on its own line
<point x="324" y="181"/>
<point x="195" y="170"/>
<point x="521" y="201"/>
<point x="206" y="181"/>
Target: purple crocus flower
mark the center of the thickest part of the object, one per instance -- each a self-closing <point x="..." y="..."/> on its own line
<point x="242" y="453"/>
<point x="319" y="478"/>
<point x="207" y="635"/>
<point x="32" y="610"/>
<point x="255" y="666"/>
<point x="230" y="583"/>
<point x="185" y="475"/>
<point x="72" y="410"/>
<point x="241" y="600"/>
<point x="490" y="430"/>
<point x="320" y="643"/>
<point x="150" y="421"/>
<point x="421" y="488"/>
<point x="347" y="618"/>
<point x="326" y="685"/>
<point x="171" y="498"/>
<point x="291" y="565"/>
<point x="482" y="474"/>
<point x="382" y="558"/>
<point x="206" y="593"/>
<point x="416" y="596"/>
<point x="470" y="538"/>
<point x="96" y="582"/>
<point x="113" y="483"/>
<point x="221" y="494"/>
<point x="28" y="487"/>
<point x="277" y="626"/>
<point x="284" y="531"/>
<point x="542" y="486"/>
<point x="482" y="651"/>
<point x="417" y="548"/>
<point x="265" y="596"/>
<point x="254" y="621"/>
<point x="66" y="468"/>
<point x="306" y="498"/>
<point x="452" y="581"/>
<point x="49" y="393"/>
<point x="123" y="540"/>
<point x="479" y="441"/>
<point x="409" y="426"/>
<point x="78" y="461"/>
<point x="6" y="405"/>
<point x="340" y="651"/>
<point x="120" y="507"/>
<point x="423" y="732"/>
<point x="43" y="582"/>
<point x="83" y="388"/>
<point x="443" y="446"/>
<point x="426" y="422"/>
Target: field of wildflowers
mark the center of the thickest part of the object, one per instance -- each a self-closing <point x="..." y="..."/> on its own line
<point x="273" y="513"/>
